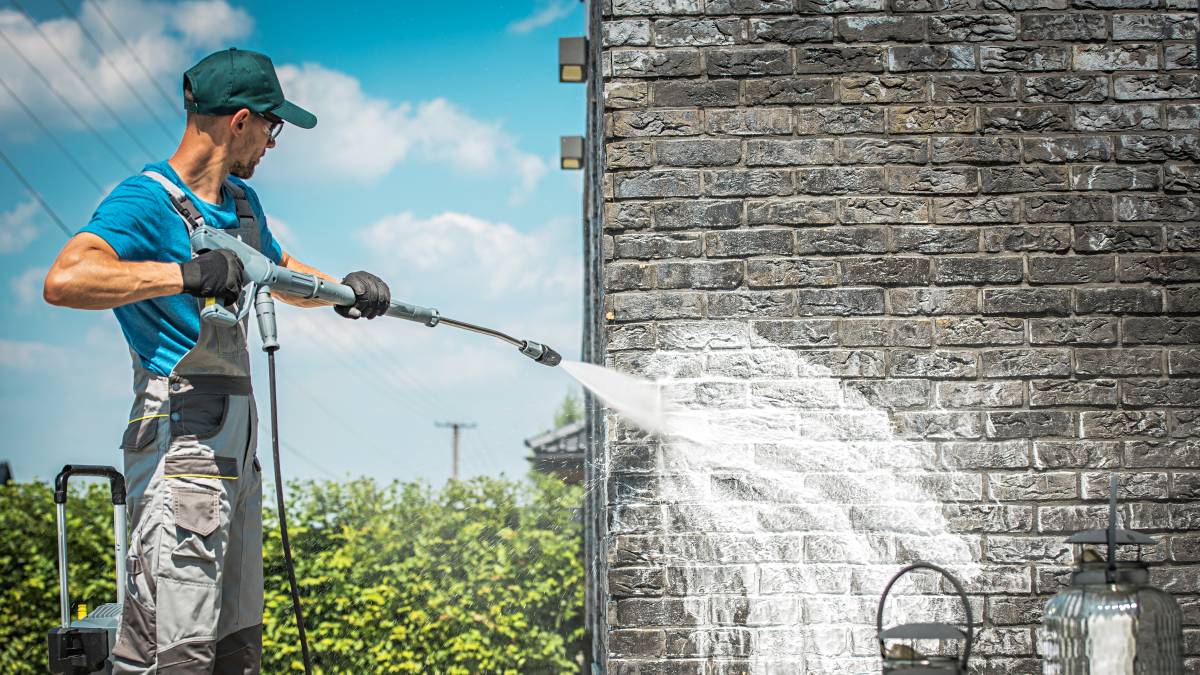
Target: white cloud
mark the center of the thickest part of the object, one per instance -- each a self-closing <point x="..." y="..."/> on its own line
<point x="28" y="355"/>
<point x="363" y="137"/>
<point x="167" y="38"/>
<point x="283" y="233"/>
<point x="27" y="286"/>
<point x="16" y="227"/>
<point x="545" y="16"/>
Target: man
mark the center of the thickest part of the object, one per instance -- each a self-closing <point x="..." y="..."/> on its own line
<point x="195" y="587"/>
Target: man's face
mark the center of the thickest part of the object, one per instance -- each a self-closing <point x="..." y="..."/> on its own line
<point x="250" y="145"/>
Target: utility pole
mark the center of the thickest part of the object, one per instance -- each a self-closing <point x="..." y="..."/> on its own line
<point x="454" y="426"/>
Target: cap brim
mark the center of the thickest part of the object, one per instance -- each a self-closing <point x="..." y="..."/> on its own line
<point x="293" y="114"/>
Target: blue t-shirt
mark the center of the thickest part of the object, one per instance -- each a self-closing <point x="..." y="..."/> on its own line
<point x="139" y="223"/>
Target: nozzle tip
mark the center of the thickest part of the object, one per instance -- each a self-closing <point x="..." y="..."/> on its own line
<point x="541" y="353"/>
<point x="549" y="358"/>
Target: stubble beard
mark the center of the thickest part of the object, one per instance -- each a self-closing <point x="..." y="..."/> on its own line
<point x="243" y="170"/>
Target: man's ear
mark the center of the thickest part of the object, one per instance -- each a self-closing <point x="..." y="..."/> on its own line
<point x="237" y="123"/>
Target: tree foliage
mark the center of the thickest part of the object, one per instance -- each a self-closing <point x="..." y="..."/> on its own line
<point x="481" y="576"/>
<point x="570" y="410"/>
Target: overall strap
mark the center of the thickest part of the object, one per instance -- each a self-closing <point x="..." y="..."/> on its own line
<point x="245" y="212"/>
<point x="183" y="204"/>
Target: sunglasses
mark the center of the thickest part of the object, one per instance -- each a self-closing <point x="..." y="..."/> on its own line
<point x="276" y="124"/>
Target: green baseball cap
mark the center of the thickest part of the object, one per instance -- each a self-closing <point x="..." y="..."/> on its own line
<point x="227" y="81"/>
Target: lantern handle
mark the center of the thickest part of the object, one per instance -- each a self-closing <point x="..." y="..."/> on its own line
<point x="1111" y="533"/>
<point x="957" y="587"/>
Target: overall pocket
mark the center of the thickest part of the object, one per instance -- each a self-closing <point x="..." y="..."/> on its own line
<point x="141" y="431"/>
<point x="198" y="414"/>
<point x="196" y="486"/>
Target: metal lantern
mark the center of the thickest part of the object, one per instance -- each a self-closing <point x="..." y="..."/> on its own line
<point x="1110" y="620"/>
<point x="904" y="659"/>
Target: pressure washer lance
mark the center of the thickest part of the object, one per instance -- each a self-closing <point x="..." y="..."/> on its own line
<point x="265" y="277"/>
<point x="260" y="271"/>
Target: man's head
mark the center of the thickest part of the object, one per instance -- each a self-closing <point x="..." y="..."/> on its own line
<point x="233" y="96"/>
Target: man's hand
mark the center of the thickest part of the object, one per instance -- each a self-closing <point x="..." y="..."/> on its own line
<point x="371" y="296"/>
<point x="214" y="274"/>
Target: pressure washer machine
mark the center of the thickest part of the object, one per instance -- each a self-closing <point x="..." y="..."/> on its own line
<point x="82" y="645"/>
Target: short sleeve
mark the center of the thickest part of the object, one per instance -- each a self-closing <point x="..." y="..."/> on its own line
<point x="126" y="221"/>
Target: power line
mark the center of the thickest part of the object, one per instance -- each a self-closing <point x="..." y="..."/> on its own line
<point x="78" y="115"/>
<point x="455" y="426"/>
<point x="86" y="85"/>
<point x="104" y="58"/>
<point x="71" y="156"/>
<point x="166" y="97"/>
<point x="36" y="195"/>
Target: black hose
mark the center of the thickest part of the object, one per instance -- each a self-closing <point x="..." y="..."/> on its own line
<point x="283" y="532"/>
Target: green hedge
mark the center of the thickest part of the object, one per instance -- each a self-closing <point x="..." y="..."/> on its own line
<point x="483" y="576"/>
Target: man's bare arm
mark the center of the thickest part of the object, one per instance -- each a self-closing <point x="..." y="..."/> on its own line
<point x="292" y="264"/>
<point x="88" y="274"/>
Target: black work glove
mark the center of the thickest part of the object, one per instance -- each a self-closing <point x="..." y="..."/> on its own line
<point x="214" y="274"/>
<point x="371" y="296"/>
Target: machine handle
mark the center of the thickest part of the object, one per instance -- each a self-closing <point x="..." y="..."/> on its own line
<point x="116" y="481"/>
<point x="216" y="313"/>
<point x="962" y="595"/>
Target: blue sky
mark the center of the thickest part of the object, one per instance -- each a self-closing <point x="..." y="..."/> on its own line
<point x="434" y="164"/>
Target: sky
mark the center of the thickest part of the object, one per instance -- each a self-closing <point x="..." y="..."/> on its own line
<point x="434" y="165"/>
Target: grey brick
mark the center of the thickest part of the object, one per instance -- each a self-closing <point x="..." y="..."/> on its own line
<point x="980" y="331"/>
<point x="1033" y="487"/>
<point x="621" y="95"/>
<point x="1027" y="301"/>
<point x="696" y="214"/>
<point x="696" y="32"/>
<point x="1024" y="118"/>
<point x="655" y="63"/>
<point x="839" y="6"/>
<point x="935" y="239"/>
<point x="1125" y="361"/>
<point x="1183" y="116"/>
<point x="988" y="518"/>
<point x="930" y="119"/>
<point x="839" y="181"/>
<point x="751" y="304"/>
<point x="881" y="29"/>
<point x="839" y="121"/>
<point x="1072" y="88"/>
<point x="884" y="89"/>
<point x="839" y="301"/>
<point x="658" y="184"/>
<point x="983" y="270"/>
<point x="791" y="30"/>
<point x="626" y="216"/>
<point x="747" y="6"/>
<point x="1116" y="57"/>
<point x="884" y="210"/>
<point x="1109" y="238"/>
<point x="748" y="122"/>
<point x="648" y="246"/>
<point x="1067" y="149"/>
<point x="1181" y="178"/>
<point x="1059" y="393"/>
<point x="1026" y="362"/>
<point x="933" y="301"/>
<point x="725" y="275"/>
<point x="888" y="271"/>
<point x="1063" y="26"/>
<point x="739" y="243"/>
<point x="1052" y="239"/>
<point x="1183" y="361"/>
<point x="1162" y="268"/>
<point x="629" y="155"/>
<point x="796" y="333"/>
<point x="1068" y="208"/>
<point x="972" y="27"/>
<point x="629" y="33"/>
<point x="1161" y="393"/>
<point x="1092" y="330"/>
<point x="745" y="62"/>
<point x="939" y="425"/>
<point x="1118" y="301"/>
<point x="1157" y="26"/>
<point x="976" y="210"/>
<point x="702" y="335"/>
<point x="1023" y="58"/>
<point x="799" y="211"/>
<point x="1007" y="179"/>
<point x="1172" y="209"/>
<point x="699" y="152"/>
<point x="1118" y="423"/>
<point x="1137" y="148"/>
<point x="1076" y="454"/>
<point x="992" y="394"/>
<point x="937" y="364"/>
<point x="639" y="612"/>
<point x="1144" y="87"/>
<point x="741" y="182"/>
<point x="1165" y="454"/>
<point x="627" y="123"/>
<point x="789" y="152"/>
<point x="636" y="643"/>
<point x="1121" y="117"/>
<point x="1179" y="57"/>
<point x="890" y="395"/>
<point x="790" y="273"/>
<point x="788" y="91"/>
<point x="1183" y="300"/>
<point x="656" y="306"/>
<point x="930" y="57"/>
<point x="926" y="180"/>
<point x="684" y="93"/>
<point x="628" y="277"/>
<point x="841" y="240"/>
<point x="1028" y="424"/>
<point x="643" y="7"/>
<point x="975" y="150"/>
<point x="839" y="59"/>
<point x="887" y="333"/>
<point x="1071" y="269"/>
<point x="1114" y="178"/>
<point x="884" y="151"/>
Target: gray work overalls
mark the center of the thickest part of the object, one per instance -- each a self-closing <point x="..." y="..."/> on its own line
<point x="194" y="596"/>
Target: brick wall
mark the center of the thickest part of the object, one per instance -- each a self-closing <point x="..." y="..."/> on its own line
<point x="995" y="199"/>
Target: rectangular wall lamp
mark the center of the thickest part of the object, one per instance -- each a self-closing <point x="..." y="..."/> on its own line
<point x="572" y="59"/>
<point x="571" y="152"/>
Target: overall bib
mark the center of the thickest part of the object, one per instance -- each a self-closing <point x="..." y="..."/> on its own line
<point x="194" y="598"/>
